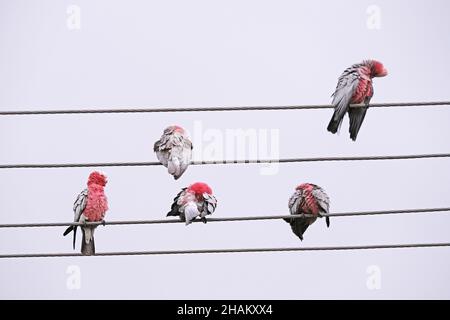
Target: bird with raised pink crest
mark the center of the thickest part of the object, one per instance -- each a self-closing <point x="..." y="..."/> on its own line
<point x="197" y="200"/>
<point x="90" y="206"/>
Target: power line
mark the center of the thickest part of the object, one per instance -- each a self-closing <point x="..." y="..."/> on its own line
<point x="241" y="250"/>
<point x="255" y="161"/>
<point x="208" y="109"/>
<point x="229" y="219"/>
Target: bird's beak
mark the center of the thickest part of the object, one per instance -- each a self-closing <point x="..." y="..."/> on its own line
<point x="383" y="73"/>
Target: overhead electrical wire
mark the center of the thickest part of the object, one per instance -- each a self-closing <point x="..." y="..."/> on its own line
<point x="212" y="162"/>
<point x="230" y="219"/>
<point x="227" y="219"/>
<point x="210" y="109"/>
<point x="237" y="250"/>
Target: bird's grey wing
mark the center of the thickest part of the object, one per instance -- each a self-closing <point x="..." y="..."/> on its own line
<point x="79" y="205"/>
<point x="175" y="208"/>
<point x="357" y="116"/>
<point x="163" y="157"/>
<point x="163" y="146"/>
<point x="298" y="225"/>
<point x="78" y="208"/>
<point x="347" y="77"/>
<point x="324" y="202"/>
<point x="294" y="205"/>
<point x="156" y="146"/>
<point x="180" y="155"/>
<point x="209" y="204"/>
<point x="295" y="201"/>
<point x="347" y="84"/>
<point x="322" y="199"/>
<point x="185" y="156"/>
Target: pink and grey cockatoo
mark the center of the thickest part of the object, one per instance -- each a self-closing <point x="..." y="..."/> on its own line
<point x="309" y="199"/>
<point x="174" y="150"/>
<point x="354" y="87"/>
<point x="194" y="201"/>
<point x="90" y="206"/>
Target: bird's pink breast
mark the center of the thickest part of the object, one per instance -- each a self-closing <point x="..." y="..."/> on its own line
<point x="97" y="203"/>
<point x="187" y="197"/>
<point x="310" y="205"/>
<point x="363" y="90"/>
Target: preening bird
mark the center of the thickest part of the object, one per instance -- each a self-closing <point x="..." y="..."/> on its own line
<point x="354" y="87"/>
<point x="194" y="201"/>
<point x="309" y="199"/>
<point x="174" y="150"/>
<point x="90" y="206"/>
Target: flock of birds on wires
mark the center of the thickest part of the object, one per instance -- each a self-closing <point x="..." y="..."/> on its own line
<point x="174" y="151"/>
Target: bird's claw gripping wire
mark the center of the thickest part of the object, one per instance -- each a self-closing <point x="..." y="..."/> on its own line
<point x="103" y="222"/>
<point x="203" y="219"/>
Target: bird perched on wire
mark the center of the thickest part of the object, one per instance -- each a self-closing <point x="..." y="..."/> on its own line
<point x="174" y="150"/>
<point x="90" y="206"/>
<point x="194" y="201"/>
<point x="354" y="87"/>
<point x="308" y="199"/>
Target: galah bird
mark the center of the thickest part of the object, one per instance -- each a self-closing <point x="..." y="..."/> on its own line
<point x="174" y="150"/>
<point x="307" y="199"/>
<point x="91" y="205"/>
<point x="194" y="201"/>
<point x="354" y="87"/>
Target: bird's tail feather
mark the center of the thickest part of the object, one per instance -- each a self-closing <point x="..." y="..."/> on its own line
<point x="88" y="245"/>
<point x="172" y="213"/>
<point x="299" y="227"/>
<point x="335" y="122"/>
<point x="74" y="236"/>
<point x="68" y="231"/>
<point x="341" y="103"/>
<point x="356" y="119"/>
<point x="173" y="167"/>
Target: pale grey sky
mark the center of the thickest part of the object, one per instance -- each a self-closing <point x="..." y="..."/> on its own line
<point x="207" y="53"/>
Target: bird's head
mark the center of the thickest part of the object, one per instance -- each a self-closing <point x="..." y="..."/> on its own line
<point x="176" y="128"/>
<point x="305" y="186"/>
<point x="97" y="178"/>
<point x="199" y="188"/>
<point x="377" y="69"/>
